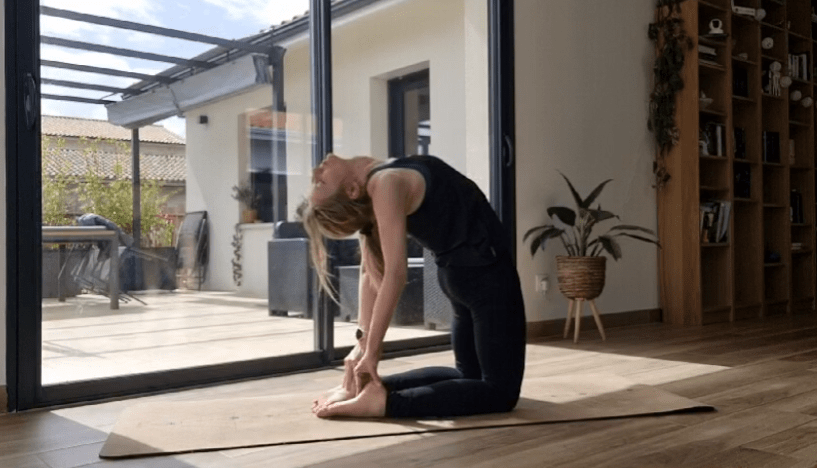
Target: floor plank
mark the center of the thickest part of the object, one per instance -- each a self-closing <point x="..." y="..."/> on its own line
<point x="760" y="375"/>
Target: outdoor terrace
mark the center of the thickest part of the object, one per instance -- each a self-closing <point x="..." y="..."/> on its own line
<point x="84" y="339"/>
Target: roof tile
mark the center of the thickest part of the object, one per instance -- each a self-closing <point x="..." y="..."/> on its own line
<point x="92" y="128"/>
<point x="75" y="162"/>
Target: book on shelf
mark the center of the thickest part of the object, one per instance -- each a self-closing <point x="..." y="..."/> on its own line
<point x="707" y="53"/>
<point x="743" y="180"/>
<point x="796" y="207"/>
<point x="798" y="66"/>
<point x="771" y="147"/>
<point x="740" y="143"/>
<point x="742" y="10"/>
<point x="740" y="82"/>
<point x="714" y="136"/>
<point x="714" y="223"/>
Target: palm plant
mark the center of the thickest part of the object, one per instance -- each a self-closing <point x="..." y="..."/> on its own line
<point x="577" y="226"/>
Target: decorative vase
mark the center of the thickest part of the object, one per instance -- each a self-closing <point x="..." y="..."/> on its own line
<point x="581" y="277"/>
<point x="249" y="216"/>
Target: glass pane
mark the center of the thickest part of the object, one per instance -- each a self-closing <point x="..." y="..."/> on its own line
<point x="417" y="119"/>
<point x="411" y="78"/>
<point x="224" y="152"/>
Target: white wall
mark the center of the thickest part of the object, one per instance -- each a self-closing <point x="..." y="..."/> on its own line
<point x="392" y="39"/>
<point x="213" y="168"/>
<point x="254" y="273"/>
<point x="583" y="71"/>
<point x="377" y="44"/>
<point x="3" y="311"/>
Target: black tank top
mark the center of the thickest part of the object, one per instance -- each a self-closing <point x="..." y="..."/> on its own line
<point x="455" y="221"/>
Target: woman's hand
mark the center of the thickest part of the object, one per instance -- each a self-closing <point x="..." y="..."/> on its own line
<point x="347" y="389"/>
<point x="366" y="371"/>
<point x="349" y="363"/>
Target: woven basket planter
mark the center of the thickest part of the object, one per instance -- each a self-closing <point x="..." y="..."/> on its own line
<point x="581" y="277"/>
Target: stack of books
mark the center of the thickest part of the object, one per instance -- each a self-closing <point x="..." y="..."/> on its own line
<point x="771" y="147"/>
<point x="707" y="54"/>
<point x="715" y="221"/>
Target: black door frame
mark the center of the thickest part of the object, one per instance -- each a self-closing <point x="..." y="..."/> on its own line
<point x="397" y="119"/>
<point x="23" y="254"/>
<point x="502" y="112"/>
<point x="23" y="208"/>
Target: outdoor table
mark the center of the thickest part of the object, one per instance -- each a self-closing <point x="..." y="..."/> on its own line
<point x="84" y="234"/>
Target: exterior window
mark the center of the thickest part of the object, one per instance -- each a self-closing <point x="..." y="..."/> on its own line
<point x="267" y="166"/>
<point x="409" y="115"/>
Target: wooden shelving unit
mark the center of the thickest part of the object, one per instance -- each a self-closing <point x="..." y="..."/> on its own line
<point x="765" y="264"/>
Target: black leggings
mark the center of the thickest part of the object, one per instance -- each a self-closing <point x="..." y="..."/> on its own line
<point x="488" y="337"/>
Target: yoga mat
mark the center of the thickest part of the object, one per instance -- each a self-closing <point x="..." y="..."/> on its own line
<point x="166" y="427"/>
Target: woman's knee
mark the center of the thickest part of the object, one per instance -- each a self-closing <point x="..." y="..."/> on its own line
<point x="506" y="402"/>
<point x="507" y="397"/>
<point x="510" y="404"/>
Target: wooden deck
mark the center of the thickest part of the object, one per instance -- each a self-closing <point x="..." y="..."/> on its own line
<point x="84" y="339"/>
<point x="761" y="375"/>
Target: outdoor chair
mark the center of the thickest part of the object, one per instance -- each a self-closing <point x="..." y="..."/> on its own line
<point x="293" y="283"/>
<point x="92" y="272"/>
<point x="192" y="246"/>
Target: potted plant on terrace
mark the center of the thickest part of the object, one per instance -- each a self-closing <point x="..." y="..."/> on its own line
<point x="581" y="272"/>
<point x="245" y="194"/>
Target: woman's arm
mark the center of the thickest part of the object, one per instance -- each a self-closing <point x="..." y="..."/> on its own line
<point x="367" y="293"/>
<point x="390" y="202"/>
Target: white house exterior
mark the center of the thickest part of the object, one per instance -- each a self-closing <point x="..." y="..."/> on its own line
<point x="370" y="47"/>
<point x="582" y="85"/>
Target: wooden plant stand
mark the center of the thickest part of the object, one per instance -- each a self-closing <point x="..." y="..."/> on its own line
<point x="574" y="309"/>
<point x="581" y="279"/>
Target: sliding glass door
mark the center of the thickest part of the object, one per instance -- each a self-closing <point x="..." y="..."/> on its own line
<point x="420" y="87"/>
<point x="184" y="109"/>
<point x="172" y="147"/>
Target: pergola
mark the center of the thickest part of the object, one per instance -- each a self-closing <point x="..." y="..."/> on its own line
<point x="267" y="59"/>
<point x="189" y="82"/>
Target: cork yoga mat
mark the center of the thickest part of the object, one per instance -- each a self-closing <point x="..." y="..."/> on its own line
<point x="166" y="427"/>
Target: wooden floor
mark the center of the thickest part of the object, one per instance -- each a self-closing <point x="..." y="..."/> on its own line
<point x="761" y="376"/>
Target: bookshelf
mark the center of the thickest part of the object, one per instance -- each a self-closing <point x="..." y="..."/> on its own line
<point x="749" y="148"/>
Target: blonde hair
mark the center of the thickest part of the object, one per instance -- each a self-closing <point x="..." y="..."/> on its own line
<point x="338" y="217"/>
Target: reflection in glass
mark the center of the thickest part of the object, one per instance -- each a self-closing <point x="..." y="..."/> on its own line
<point x="411" y="78"/>
<point x="207" y="122"/>
<point x="410" y="114"/>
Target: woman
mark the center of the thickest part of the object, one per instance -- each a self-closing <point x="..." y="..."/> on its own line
<point x="447" y="213"/>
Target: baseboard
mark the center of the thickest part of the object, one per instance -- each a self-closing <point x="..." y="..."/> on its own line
<point x="621" y="319"/>
<point x="4" y="400"/>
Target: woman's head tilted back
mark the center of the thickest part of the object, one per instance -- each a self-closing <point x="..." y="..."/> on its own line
<point x="337" y="207"/>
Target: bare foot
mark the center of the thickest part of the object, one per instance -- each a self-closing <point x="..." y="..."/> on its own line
<point x="370" y="403"/>
<point x="333" y="395"/>
<point x="344" y="391"/>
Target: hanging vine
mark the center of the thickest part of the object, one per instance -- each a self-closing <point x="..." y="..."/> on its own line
<point x="672" y="42"/>
<point x="238" y="239"/>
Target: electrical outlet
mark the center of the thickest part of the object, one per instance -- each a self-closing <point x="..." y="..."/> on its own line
<point x="541" y="283"/>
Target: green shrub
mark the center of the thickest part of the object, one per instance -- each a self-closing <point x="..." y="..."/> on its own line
<point x="112" y="198"/>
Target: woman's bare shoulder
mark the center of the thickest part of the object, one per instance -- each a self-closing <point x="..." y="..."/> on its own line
<point x="408" y="184"/>
<point x="391" y="178"/>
